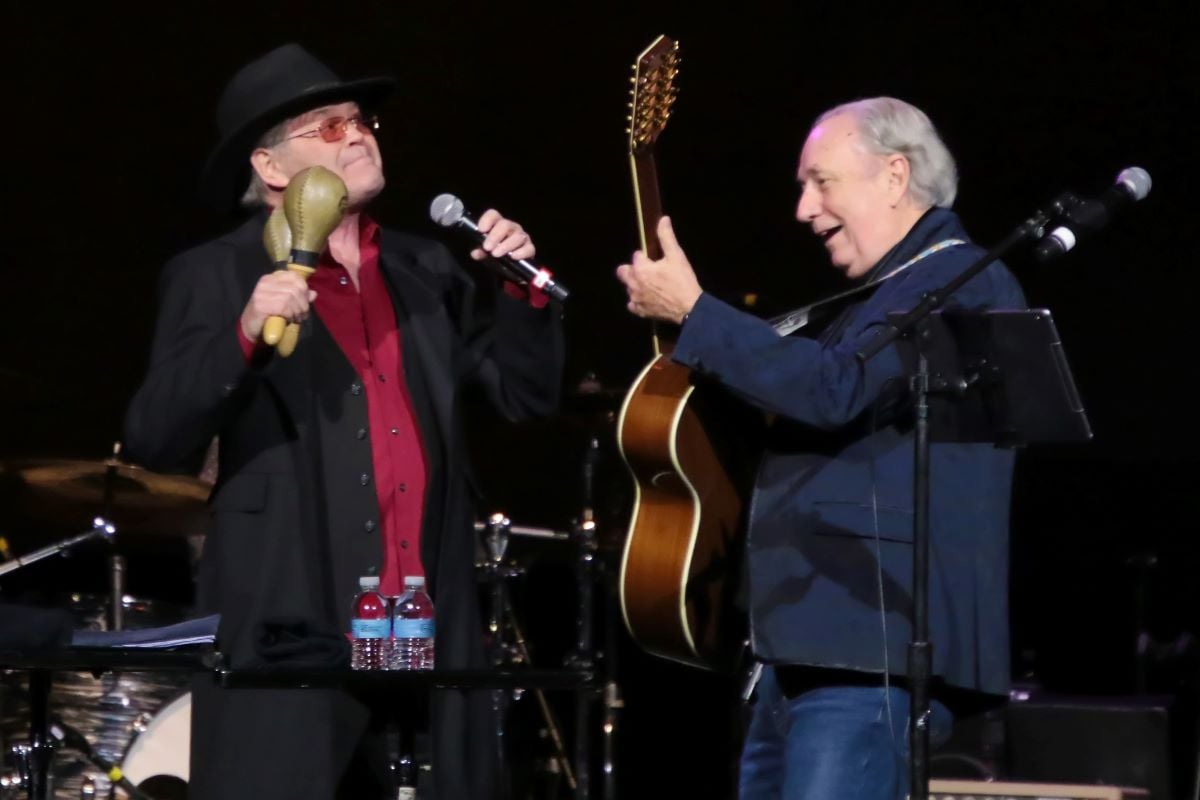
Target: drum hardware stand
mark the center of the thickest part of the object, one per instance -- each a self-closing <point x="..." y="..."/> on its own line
<point x="402" y="766"/>
<point x="583" y="656"/>
<point x="502" y="615"/>
<point x="101" y="528"/>
<point x="613" y="702"/>
<point x="36" y="756"/>
<point x="1142" y="564"/>
<point x="116" y="561"/>
<point x="588" y="568"/>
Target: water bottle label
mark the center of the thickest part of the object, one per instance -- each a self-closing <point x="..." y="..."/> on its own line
<point x="406" y="793"/>
<point x="369" y="629"/>
<point x="414" y="628"/>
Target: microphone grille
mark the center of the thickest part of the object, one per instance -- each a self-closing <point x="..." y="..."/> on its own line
<point x="446" y="210"/>
<point x="1136" y="180"/>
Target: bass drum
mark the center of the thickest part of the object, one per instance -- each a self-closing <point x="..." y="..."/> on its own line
<point x="106" y="709"/>
<point x="157" y="760"/>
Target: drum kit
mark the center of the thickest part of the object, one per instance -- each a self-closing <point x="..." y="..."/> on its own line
<point x="140" y="722"/>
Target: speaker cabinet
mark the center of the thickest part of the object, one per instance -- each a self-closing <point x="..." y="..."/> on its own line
<point x="1120" y="741"/>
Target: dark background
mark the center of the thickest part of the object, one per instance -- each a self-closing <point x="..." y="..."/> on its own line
<point x="522" y="108"/>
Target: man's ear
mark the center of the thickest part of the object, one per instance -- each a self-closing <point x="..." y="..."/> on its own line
<point x="898" y="174"/>
<point x="269" y="170"/>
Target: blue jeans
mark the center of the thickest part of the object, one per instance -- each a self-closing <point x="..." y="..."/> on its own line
<point x="830" y="742"/>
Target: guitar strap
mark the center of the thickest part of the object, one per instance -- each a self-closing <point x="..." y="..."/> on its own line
<point x="795" y="320"/>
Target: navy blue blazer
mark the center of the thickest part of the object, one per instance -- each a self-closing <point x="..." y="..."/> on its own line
<point x="829" y="547"/>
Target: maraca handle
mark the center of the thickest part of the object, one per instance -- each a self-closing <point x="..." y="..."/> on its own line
<point x="277" y="331"/>
<point x="273" y="330"/>
<point x="291" y="335"/>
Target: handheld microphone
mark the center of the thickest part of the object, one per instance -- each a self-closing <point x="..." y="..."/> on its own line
<point x="1088" y="216"/>
<point x="447" y="210"/>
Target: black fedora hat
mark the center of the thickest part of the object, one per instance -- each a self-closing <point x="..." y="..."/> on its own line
<point x="283" y="83"/>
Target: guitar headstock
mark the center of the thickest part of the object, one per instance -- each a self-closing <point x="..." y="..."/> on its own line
<point x="653" y="92"/>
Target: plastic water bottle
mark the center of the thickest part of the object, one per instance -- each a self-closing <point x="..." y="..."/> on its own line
<point x="370" y="627"/>
<point x="412" y="626"/>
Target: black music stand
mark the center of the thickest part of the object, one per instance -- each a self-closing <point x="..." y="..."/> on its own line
<point x="997" y="377"/>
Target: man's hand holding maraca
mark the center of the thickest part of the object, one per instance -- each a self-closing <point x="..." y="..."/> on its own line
<point x="277" y="294"/>
<point x="314" y="203"/>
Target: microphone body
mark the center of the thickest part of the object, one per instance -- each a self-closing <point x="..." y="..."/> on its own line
<point x="1085" y="217"/>
<point x="448" y="211"/>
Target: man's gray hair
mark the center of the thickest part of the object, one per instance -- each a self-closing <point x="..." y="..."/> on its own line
<point x="256" y="192"/>
<point x="889" y="127"/>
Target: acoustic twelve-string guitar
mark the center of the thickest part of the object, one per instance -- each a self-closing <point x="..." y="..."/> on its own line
<point x="682" y="557"/>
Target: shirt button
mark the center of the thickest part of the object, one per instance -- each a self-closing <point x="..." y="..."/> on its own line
<point x="383" y="378"/>
<point x="395" y="431"/>
<point x="369" y="525"/>
<point x="356" y="388"/>
<point x="361" y="433"/>
<point x="364" y="479"/>
<point x="403" y="487"/>
<point x="404" y="544"/>
<point x="343" y="280"/>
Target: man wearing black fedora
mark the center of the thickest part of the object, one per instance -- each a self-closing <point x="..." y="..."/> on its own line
<point x="343" y="460"/>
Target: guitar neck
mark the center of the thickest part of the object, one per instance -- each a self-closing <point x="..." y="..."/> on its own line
<point x="648" y="201"/>
<point x="653" y="94"/>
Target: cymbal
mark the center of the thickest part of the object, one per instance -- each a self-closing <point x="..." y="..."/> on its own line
<point x="134" y="499"/>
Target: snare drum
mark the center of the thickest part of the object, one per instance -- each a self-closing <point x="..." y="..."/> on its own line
<point x="159" y="753"/>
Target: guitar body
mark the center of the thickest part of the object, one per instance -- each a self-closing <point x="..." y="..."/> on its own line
<point x="683" y="554"/>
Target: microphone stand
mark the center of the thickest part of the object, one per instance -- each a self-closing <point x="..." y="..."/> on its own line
<point x="913" y="326"/>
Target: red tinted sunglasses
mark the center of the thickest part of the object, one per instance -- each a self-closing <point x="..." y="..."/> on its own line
<point x="333" y="129"/>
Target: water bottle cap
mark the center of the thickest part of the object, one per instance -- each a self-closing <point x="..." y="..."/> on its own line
<point x="368" y="582"/>
<point x="414" y="580"/>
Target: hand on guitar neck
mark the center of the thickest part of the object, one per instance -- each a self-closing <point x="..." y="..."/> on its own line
<point x="664" y="289"/>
